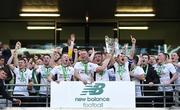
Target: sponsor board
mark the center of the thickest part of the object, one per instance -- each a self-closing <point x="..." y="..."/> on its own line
<point x="95" y="95"/>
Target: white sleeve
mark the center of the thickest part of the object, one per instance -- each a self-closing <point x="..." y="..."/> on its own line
<point x="126" y="76"/>
<point x="16" y="70"/>
<point x="171" y="68"/>
<point x="30" y="74"/>
<point x="76" y="66"/>
<point x="93" y="66"/>
<point x="38" y="69"/>
<point x="72" y="71"/>
<point x="115" y="64"/>
<point x="139" y="71"/>
<point x="53" y="71"/>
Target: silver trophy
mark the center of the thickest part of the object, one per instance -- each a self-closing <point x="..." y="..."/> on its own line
<point x="110" y="44"/>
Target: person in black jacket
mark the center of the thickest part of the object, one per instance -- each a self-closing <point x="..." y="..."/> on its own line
<point x="151" y="77"/>
<point x="3" y="92"/>
<point x="69" y="48"/>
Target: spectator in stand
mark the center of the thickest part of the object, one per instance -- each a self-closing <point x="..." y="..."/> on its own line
<point x="3" y="92"/>
<point x="55" y="57"/>
<point x="151" y="78"/>
<point x="6" y="52"/>
<point x="70" y="47"/>
<point x="152" y="60"/>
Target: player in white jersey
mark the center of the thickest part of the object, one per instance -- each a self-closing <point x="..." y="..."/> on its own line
<point x="23" y="77"/>
<point x="43" y="72"/>
<point x="64" y="72"/>
<point x="122" y="68"/>
<point x="122" y="64"/>
<point x="164" y="70"/>
<point x="137" y="74"/>
<point x="84" y="70"/>
<point x="176" y="63"/>
<point x="103" y="75"/>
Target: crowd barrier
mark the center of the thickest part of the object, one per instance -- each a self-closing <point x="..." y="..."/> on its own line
<point x="35" y="100"/>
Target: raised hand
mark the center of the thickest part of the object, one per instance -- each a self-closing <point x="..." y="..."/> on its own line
<point x="18" y="45"/>
<point x="133" y="40"/>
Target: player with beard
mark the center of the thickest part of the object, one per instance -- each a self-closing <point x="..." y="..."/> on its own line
<point x="84" y="70"/>
<point x="39" y="76"/>
<point x="104" y="75"/>
<point x="43" y="72"/>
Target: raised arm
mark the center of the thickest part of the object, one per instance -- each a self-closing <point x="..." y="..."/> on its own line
<point x="104" y="64"/>
<point x="92" y="55"/>
<point x="132" y="51"/>
<point x="76" y="56"/>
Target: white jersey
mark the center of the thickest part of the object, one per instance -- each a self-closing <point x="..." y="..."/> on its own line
<point x="137" y="71"/>
<point x="122" y="72"/>
<point x="178" y="79"/>
<point x="102" y="76"/>
<point x="164" y="73"/>
<point x="63" y="73"/>
<point x="22" y="78"/>
<point x="111" y="73"/>
<point x="44" y="71"/>
<point x="86" y="71"/>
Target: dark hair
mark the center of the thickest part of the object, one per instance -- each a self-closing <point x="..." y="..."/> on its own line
<point x="146" y="54"/>
<point x="63" y="54"/>
<point x="83" y="50"/>
<point x="98" y="53"/>
<point x="47" y="55"/>
<point x="167" y="55"/>
<point x="1" y="69"/>
<point x="136" y="59"/>
<point x="2" y="57"/>
<point x="22" y="58"/>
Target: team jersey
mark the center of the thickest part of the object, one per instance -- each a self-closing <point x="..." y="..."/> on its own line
<point x="63" y="73"/>
<point x="86" y="71"/>
<point x="164" y="71"/>
<point x="122" y="72"/>
<point x="22" y="78"/>
<point x="44" y="71"/>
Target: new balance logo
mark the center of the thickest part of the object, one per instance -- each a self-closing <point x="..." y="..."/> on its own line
<point x="97" y="89"/>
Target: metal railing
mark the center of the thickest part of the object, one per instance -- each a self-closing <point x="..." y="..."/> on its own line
<point x="36" y="100"/>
